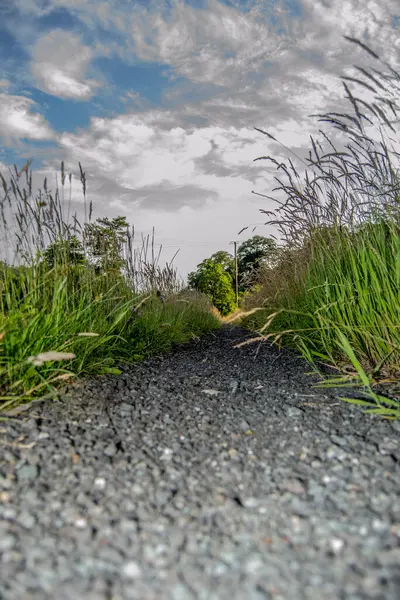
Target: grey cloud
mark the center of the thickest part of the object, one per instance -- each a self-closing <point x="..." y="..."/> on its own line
<point x="18" y="120"/>
<point x="170" y="199"/>
<point x="59" y="62"/>
<point x="240" y="74"/>
<point x="102" y="187"/>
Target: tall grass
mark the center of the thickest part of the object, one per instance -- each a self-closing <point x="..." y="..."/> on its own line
<point x="335" y="293"/>
<point x="68" y="318"/>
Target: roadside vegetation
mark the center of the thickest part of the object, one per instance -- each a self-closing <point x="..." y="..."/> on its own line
<point x="334" y="291"/>
<point x="216" y="276"/>
<point x="79" y="300"/>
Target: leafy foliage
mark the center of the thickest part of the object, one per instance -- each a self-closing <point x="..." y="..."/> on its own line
<point x="105" y="240"/>
<point x="226" y="261"/>
<point x="252" y="254"/>
<point x="215" y="276"/>
<point x="60" y="319"/>
<point x="211" y="279"/>
<point x="68" y="251"/>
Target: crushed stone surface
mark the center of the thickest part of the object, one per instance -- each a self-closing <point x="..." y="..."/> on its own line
<point x="208" y="473"/>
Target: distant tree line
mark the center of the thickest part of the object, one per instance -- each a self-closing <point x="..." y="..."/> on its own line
<point x="100" y="247"/>
<point x="215" y="276"/>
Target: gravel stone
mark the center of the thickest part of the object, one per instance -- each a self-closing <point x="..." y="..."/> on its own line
<point x="27" y="473"/>
<point x="208" y="473"/>
<point x="131" y="570"/>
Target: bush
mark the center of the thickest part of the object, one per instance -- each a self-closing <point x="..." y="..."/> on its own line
<point x="211" y="279"/>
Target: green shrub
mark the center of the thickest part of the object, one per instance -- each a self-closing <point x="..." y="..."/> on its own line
<point x="211" y="279"/>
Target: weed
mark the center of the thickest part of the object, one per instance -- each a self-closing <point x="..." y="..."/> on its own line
<point x="335" y="293"/>
<point x="78" y="300"/>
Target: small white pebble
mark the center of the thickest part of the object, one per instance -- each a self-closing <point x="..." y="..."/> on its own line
<point x="9" y="513"/>
<point x="167" y="451"/>
<point x="337" y="545"/>
<point x="219" y="569"/>
<point x="296" y="523"/>
<point x="363" y="530"/>
<point x="100" y="483"/>
<point x="80" y="523"/>
<point x="378" y="525"/>
<point x="326" y="479"/>
<point x="250" y="502"/>
<point x="131" y="570"/>
<point x="254" y="565"/>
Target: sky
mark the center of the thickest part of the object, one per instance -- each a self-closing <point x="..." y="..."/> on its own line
<point x="158" y="100"/>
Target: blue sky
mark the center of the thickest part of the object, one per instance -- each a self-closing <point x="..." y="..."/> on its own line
<point x="159" y="99"/>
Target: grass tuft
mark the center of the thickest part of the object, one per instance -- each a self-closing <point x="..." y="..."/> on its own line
<point x="79" y="299"/>
<point x="334" y="294"/>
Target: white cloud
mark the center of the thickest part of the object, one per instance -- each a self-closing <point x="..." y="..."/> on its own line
<point x="357" y="18"/>
<point x="59" y="61"/>
<point x="16" y="120"/>
<point x="199" y="232"/>
<point x="194" y="42"/>
<point x="187" y="166"/>
<point x="139" y="155"/>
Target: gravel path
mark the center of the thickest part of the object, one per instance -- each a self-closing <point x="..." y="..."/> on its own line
<point x="210" y="473"/>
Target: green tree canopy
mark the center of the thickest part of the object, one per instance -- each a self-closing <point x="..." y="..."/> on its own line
<point x="69" y="251"/>
<point x="105" y="240"/>
<point x="252" y="254"/>
<point x="226" y="261"/>
<point x="211" y="279"/>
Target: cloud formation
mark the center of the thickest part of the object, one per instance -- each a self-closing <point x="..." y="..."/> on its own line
<point x="59" y="61"/>
<point x="158" y="100"/>
<point x="17" y="120"/>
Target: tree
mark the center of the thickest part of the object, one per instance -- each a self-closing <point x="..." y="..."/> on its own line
<point x="251" y="255"/>
<point x="211" y="279"/>
<point x="226" y="260"/>
<point x="69" y="251"/>
<point x="104" y="241"/>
